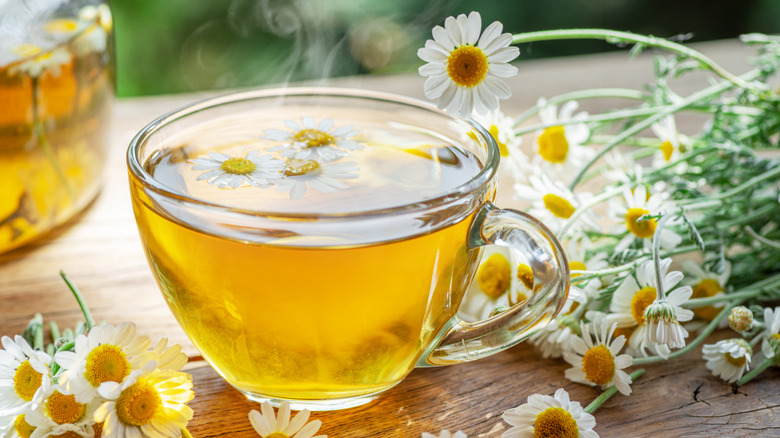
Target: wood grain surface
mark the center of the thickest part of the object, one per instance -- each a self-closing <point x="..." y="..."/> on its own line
<point x="101" y="253"/>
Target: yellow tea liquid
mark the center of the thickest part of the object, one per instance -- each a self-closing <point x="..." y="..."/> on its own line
<point x="53" y="132"/>
<point x="312" y="317"/>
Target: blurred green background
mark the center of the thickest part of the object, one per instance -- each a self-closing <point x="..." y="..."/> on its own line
<point x="169" y="46"/>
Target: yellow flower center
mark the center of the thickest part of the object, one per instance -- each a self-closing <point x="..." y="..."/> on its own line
<point x="644" y="229"/>
<point x="467" y="66"/>
<point x="106" y="363"/>
<point x="706" y="288"/>
<point x="642" y="298"/>
<point x="238" y="166"/>
<point x="300" y="167"/>
<point x="553" y="145"/>
<point x="68" y="434"/>
<point x="313" y="138"/>
<point x="558" y="206"/>
<point x="555" y="423"/>
<point x="736" y="361"/>
<point x="61" y="25"/>
<point x="278" y="435"/>
<point x="25" y="50"/>
<point x="97" y="430"/>
<point x="494" y="276"/>
<point x="519" y="298"/>
<point x="501" y="145"/>
<point x="138" y="404"/>
<point x="598" y="364"/>
<point x="27" y="381"/>
<point x="667" y="148"/>
<point x="625" y="331"/>
<point x="23" y="429"/>
<point x="526" y="275"/>
<point x="577" y="266"/>
<point x="64" y="408"/>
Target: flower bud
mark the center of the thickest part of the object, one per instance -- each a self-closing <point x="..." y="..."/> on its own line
<point x="740" y="319"/>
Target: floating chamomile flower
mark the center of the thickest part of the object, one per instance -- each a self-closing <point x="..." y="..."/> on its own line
<point x="24" y="376"/>
<point x="107" y="354"/>
<point x="278" y="425"/>
<point x="322" y="177"/>
<point x="225" y="171"/>
<point x="770" y="336"/>
<point x="501" y="281"/>
<point x="37" y="61"/>
<point x="62" y="416"/>
<point x="634" y="295"/>
<point x="149" y="403"/>
<point x="639" y="203"/>
<point x="553" y="204"/>
<point x="561" y="146"/>
<point x="463" y="67"/>
<point x="310" y="140"/>
<point x="596" y="361"/>
<point x="445" y="434"/>
<point x="545" y="416"/>
<point x="728" y="359"/>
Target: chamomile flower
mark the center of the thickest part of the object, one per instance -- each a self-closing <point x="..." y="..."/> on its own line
<point x="576" y="254"/>
<point x="561" y="147"/>
<point x="323" y="177"/>
<point x="546" y="416"/>
<point x="707" y="284"/>
<point x="669" y="151"/>
<point x="463" y="68"/>
<point x="62" y="415"/>
<point x="553" y="204"/>
<point x="501" y="128"/>
<point x="18" y="428"/>
<point x="149" y="403"/>
<point x="278" y="425"/>
<point x="24" y="376"/>
<point x="663" y="325"/>
<point x="728" y="359"/>
<point x="639" y="203"/>
<point x="596" y="361"/>
<point x="310" y="140"/>
<point x="501" y="281"/>
<point x="225" y="171"/>
<point x="37" y="61"/>
<point x="634" y="295"/>
<point x="770" y="342"/>
<point x="107" y="354"/>
<point x="555" y="338"/>
<point x="445" y="434"/>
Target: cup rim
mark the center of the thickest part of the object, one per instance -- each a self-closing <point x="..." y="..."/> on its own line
<point x="473" y="185"/>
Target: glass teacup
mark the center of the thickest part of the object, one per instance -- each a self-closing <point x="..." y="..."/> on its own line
<point x="315" y="243"/>
<point x="56" y="89"/>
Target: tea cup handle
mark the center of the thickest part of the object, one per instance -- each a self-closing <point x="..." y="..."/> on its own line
<point x="460" y="341"/>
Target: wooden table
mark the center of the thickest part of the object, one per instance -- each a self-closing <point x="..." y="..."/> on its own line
<point x="100" y="251"/>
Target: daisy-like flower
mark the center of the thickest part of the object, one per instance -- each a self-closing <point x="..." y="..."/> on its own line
<point x="728" y="359"/>
<point x="24" y="377"/>
<point x="38" y="61"/>
<point x="501" y="128"/>
<point x="639" y="203"/>
<point x="770" y="343"/>
<point x="278" y="425"/>
<point x="500" y="281"/>
<point x="554" y="204"/>
<point x="61" y="415"/>
<point x="663" y="326"/>
<point x="149" y="403"/>
<point x="596" y="361"/>
<point x="93" y="39"/>
<point x="561" y="146"/>
<point x="554" y="339"/>
<point x="107" y="354"/>
<point x="707" y="284"/>
<point x="669" y="151"/>
<point x="445" y="434"/>
<point x="463" y="68"/>
<point x="578" y="261"/>
<point x="545" y="416"/>
<point x="310" y="140"/>
<point x="225" y="171"/>
<point x="322" y="177"/>
<point x="634" y="295"/>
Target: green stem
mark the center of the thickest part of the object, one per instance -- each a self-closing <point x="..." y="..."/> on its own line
<point x="762" y="239"/>
<point x="742" y="187"/>
<point x="761" y="213"/>
<point x="44" y="142"/>
<point x="594" y="93"/>
<point x="615" y="37"/>
<point x="606" y="117"/>
<point x="768" y="362"/>
<point x="583" y="208"/>
<point x="80" y="299"/>
<point x="746" y="293"/>
<point x="54" y="330"/>
<point x="659" y="284"/>
<point x="693" y="344"/>
<point x="595" y="404"/>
